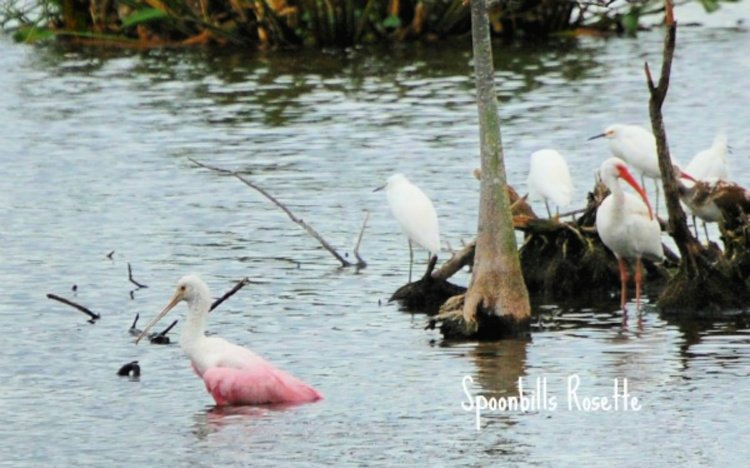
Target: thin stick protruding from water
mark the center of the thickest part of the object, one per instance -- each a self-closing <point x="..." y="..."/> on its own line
<point x="240" y="284"/>
<point x="361" y="263"/>
<point x="85" y="310"/>
<point x="344" y="262"/>
<point x="130" y="277"/>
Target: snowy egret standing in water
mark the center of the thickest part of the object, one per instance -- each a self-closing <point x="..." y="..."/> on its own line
<point x="549" y="178"/>
<point x="636" y="146"/>
<point x="627" y="225"/>
<point x="233" y="375"/>
<point x="414" y="212"/>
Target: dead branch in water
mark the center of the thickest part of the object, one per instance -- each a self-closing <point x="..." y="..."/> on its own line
<point x="361" y="263"/>
<point x="703" y="283"/>
<point x="344" y="262"/>
<point x="463" y="257"/>
<point x="94" y="316"/>
<point x="240" y="284"/>
<point x="130" y="277"/>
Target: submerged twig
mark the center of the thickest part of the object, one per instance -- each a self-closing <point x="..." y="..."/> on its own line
<point x="361" y="263"/>
<point x="94" y="316"/>
<point x="161" y="337"/>
<point x="240" y="284"/>
<point x="133" y="330"/>
<point x="344" y="262"/>
<point x="130" y="277"/>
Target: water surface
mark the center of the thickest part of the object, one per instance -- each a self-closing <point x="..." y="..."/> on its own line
<point x="94" y="155"/>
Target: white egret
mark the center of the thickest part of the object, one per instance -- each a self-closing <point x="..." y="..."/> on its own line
<point x="549" y="178"/>
<point x="636" y="146"/>
<point x="709" y="165"/>
<point x="627" y="225"/>
<point x="711" y="162"/>
<point x="415" y="214"/>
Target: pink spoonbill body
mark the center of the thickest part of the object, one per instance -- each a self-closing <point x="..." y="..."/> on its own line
<point x="233" y="375"/>
<point x="549" y="178"/>
<point x="626" y="224"/>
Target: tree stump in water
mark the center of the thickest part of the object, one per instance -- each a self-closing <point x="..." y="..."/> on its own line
<point x="565" y="261"/>
<point x="428" y="293"/>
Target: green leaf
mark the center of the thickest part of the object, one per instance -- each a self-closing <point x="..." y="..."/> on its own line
<point x="144" y="15"/>
<point x="32" y="34"/>
<point x="392" y="22"/>
<point x="710" y="5"/>
<point x="630" y="22"/>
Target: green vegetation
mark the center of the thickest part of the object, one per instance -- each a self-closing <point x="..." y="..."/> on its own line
<point x="312" y="23"/>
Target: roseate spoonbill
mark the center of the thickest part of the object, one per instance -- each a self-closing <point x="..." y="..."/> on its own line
<point x="626" y="224"/>
<point x="415" y="213"/>
<point x="549" y="178"/>
<point x="636" y="146"/>
<point x="233" y="375"/>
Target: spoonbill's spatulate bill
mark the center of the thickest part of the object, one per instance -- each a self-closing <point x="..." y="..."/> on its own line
<point x="233" y="375"/>
<point x="415" y="214"/>
<point x="549" y="178"/>
<point x="626" y="224"/>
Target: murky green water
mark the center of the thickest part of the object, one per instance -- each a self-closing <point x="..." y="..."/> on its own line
<point x="94" y="157"/>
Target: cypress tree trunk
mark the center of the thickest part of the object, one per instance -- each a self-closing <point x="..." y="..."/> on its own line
<point x="497" y="303"/>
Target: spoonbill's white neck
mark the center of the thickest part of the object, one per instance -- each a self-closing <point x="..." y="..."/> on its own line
<point x="194" y="328"/>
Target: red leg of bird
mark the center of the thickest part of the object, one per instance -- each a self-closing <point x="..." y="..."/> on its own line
<point x="623" y="283"/>
<point x="638" y="278"/>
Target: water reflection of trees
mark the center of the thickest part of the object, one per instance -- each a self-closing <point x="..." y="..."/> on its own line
<point x="279" y="88"/>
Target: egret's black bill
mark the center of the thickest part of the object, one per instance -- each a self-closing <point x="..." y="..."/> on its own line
<point x="601" y="135"/>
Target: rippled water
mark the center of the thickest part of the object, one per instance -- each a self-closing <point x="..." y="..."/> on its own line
<point x="94" y="156"/>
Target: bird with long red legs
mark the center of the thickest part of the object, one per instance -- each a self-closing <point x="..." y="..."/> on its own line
<point x="627" y="225"/>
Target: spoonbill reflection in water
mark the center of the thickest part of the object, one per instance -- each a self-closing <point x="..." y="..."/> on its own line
<point x="233" y="375"/>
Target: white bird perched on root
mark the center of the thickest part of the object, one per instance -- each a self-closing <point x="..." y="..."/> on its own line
<point x="415" y="214"/>
<point x="627" y="225"/>
<point x="549" y="178"/>
<point x="709" y="165"/>
<point x="636" y="146"/>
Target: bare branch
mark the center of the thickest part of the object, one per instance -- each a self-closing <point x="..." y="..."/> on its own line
<point x="361" y="263"/>
<point x="94" y="316"/>
<point x="344" y="262"/>
<point x="462" y="258"/>
<point x="130" y="277"/>
<point x="240" y="284"/>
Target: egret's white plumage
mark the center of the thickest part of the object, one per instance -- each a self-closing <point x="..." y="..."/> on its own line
<point x="635" y="145"/>
<point x="414" y="212"/>
<point x="710" y="166"/>
<point x="549" y="178"/>
<point x="232" y="374"/>
<point x="712" y="162"/>
<point x="626" y="223"/>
